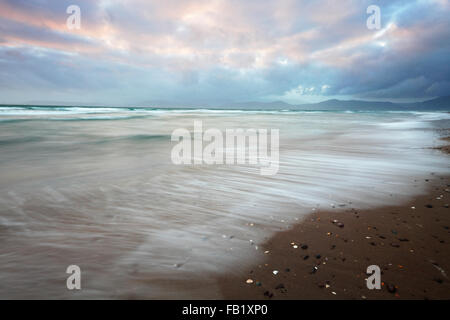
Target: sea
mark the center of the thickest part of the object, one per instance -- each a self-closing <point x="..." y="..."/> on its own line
<point x="96" y="187"/>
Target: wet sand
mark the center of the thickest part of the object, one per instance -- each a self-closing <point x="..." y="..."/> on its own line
<point x="327" y="254"/>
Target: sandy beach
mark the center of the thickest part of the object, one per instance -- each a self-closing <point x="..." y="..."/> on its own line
<point x="326" y="255"/>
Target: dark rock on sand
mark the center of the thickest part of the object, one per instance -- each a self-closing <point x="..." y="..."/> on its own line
<point x="280" y="286"/>
<point x="391" y="288"/>
<point x="314" y="269"/>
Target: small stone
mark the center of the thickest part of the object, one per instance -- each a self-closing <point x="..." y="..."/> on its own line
<point x="305" y="257"/>
<point x="258" y="284"/>
<point x="395" y="245"/>
<point x="429" y="206"/>
<point x="318" y="256"/>
<point x="304" y="247"/>
<point x="268" y="294"/>
<point x="391" y="288"/>
<point x="249" y="281"/>
<point x="314" y="269"/>
<point x="280" y="286"/>
<point x="275" y="272"/>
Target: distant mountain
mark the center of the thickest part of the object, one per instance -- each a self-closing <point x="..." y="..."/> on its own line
<point x="335" y="104"/>
<point x="441" y="102"/>
<point x="437" y="104"/>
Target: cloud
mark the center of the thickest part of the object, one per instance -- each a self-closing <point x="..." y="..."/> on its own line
<point x="203" y="51"/>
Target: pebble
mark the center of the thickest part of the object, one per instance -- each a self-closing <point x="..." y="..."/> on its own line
<point x="304" y="247"/>
<point x="339" y="224"/>
<point x="391" y="288"/>
<point x="275" y="272"/>
<point x="280" y="286"/>
<point x="314" y="270"/>
<point x="429" y="206"/>
<point x="249" y="281"/>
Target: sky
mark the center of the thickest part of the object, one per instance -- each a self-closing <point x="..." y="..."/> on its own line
<point x="218" y="52"/>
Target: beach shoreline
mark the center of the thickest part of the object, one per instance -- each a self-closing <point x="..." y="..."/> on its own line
<point x="326" y="255"/>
